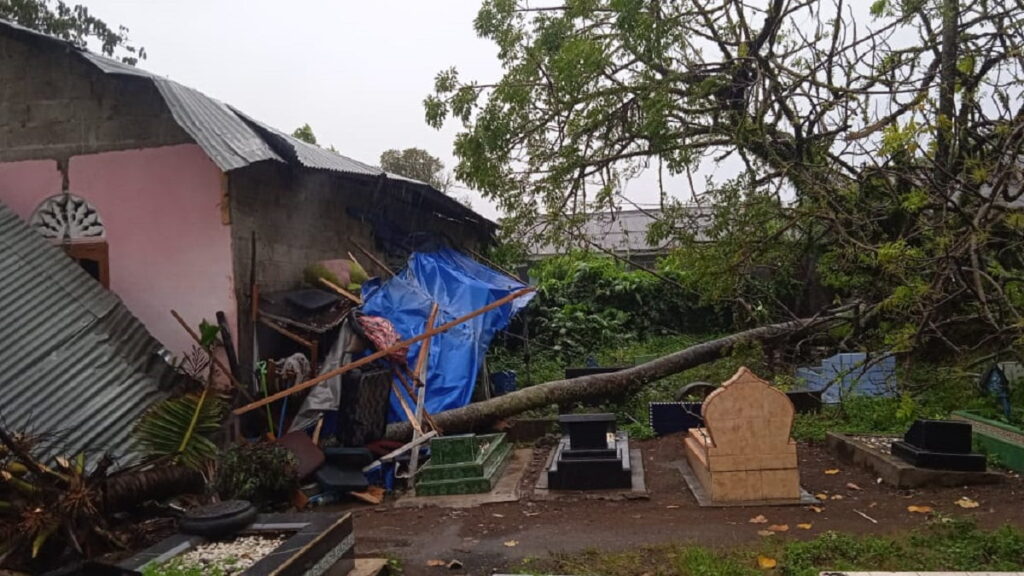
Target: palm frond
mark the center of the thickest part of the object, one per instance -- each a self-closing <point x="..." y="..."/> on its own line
<point x="181" y="428"/>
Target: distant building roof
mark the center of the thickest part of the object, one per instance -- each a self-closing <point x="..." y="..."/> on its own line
<point x="75" y="364"/>
<point x="624" y="232"/>
<point x="232" y="139"/>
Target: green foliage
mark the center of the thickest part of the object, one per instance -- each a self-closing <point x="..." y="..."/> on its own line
<point x="313" y="273"/>
<point x="262" y="473"/>
<point x="956" y="545"/>
<point x="74" y="23"/>
<point x="844" y="195"/>
<point x="305" y="133"/>
<point x="182" y="428"/>
<point x="586" y="302"/>
<point x="417" y="164"/>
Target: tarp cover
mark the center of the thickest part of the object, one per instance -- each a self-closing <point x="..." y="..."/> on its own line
<point x="459" y="285"/>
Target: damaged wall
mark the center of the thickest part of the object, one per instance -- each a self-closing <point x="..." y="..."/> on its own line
<point x="54" y="105"/>
<point x="302" y="216"/>
<point x="167" y="246"/>
<point x="66" y="126"/>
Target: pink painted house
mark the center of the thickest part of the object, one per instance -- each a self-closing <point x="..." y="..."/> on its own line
<point x="161" y="192"/>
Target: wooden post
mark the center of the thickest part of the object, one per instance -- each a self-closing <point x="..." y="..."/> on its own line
<point x="421" y="390"/>
<point x="382" y="353"/>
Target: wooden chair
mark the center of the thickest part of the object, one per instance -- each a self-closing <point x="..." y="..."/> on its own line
<point x="744" y="452"/>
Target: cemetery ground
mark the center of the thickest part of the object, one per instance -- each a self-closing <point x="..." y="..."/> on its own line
<point x="859" y="523"/>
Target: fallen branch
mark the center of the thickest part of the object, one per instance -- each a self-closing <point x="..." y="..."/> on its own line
<point x="475" y="415"/>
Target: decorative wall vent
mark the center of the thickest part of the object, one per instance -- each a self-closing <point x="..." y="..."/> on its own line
<point x="66" y="216"/>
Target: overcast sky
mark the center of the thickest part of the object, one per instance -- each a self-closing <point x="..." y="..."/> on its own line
<point x="357" y="72"/>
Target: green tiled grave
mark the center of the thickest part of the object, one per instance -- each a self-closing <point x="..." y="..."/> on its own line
<point x="464" y="464"/>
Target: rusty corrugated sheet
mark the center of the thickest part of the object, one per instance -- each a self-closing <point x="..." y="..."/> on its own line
<point x="75" y="364"/>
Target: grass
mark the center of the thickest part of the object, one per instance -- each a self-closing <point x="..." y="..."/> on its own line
<point x="944" y="545"/>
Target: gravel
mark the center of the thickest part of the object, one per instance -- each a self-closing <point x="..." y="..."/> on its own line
<point x="881" y="444"/>
<point x="231" y="557"/>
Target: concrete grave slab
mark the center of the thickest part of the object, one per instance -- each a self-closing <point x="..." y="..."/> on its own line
<point x="506" y="489"/>
<point x="637" y="491"/>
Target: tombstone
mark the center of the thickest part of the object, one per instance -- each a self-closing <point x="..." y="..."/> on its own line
<point x="744" y="452"/>
<point x="591" y="455"/>
<point x="463" y="464"/>
<point x="939" y="445"/>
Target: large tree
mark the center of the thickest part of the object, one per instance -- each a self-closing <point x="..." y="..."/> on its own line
<point x="74" y="23"/>
<point x="878" y="148"/>
<point x="418" y="164"/>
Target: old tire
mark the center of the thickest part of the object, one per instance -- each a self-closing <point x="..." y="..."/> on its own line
<point x="700" y="389"/>
<point x="219" y="520"/>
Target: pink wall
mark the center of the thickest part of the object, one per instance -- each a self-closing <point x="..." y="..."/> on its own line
<point x="161" y="210"/>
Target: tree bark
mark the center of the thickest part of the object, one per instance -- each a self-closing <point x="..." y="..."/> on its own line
<point x="470" y="417"/>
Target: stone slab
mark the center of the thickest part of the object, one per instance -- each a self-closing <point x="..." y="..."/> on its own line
<point x="638" y="491"/>
<point x="704" y="499"/>
<point x="370" y="567"/>
<point x="896" y="472"/>
<point x="505" y="490"/>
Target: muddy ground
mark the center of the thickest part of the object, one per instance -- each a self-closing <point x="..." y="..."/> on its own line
<point x="477" y="537"/>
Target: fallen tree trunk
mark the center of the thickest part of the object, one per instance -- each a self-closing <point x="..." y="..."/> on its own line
<point x="470" y="417"/>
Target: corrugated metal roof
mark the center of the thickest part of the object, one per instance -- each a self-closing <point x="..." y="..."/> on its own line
<point x="310" y="155"/>
<point x="234" y="140"/>
<point x="225" y="137"/>
<point x="625" y="231"/>
<point x="76" y="364"/>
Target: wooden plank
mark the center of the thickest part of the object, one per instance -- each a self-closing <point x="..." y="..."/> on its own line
<point x="342" y="291"/>
<point x="382" y="353"/>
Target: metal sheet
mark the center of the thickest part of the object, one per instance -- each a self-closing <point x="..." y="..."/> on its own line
<point x="77" y="366"/>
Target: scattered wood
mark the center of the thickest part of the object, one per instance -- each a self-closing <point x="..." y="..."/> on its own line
<point x="213" y="358"/>
<point x="872" y="520"/>
<point x="356" y="299"/>
<point x="381" y="353"/>
<point x="375" y="260"/>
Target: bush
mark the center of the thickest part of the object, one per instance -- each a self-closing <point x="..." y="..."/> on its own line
<point x="264" y="474"/>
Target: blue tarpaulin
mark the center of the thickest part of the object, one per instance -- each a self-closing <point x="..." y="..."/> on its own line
<point x="459" y="285"/>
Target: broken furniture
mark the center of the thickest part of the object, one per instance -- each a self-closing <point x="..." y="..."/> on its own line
<point x="463" y="464"/>
<point x="318" y="544"/>
<point x="744" y="453"/>
<point x="591" y="455"/>
<point x="939" y="445"/>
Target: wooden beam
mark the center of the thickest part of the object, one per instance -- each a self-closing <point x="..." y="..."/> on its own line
<point x="342" y="291"/>
<point x="382" y="353"/>
<point x="376" y="260"/>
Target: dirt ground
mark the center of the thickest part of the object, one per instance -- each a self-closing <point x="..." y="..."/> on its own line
<point x="500" y="536"/>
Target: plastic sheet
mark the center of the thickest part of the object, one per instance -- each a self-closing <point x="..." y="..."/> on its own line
<point x="459" y="285"/>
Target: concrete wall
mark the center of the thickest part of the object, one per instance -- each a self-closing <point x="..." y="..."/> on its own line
<point x="303" y="216"/>
<point x="168" y="247"/>
<point x="54" y="105"/>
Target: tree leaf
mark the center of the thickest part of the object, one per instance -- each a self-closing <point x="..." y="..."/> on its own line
<point x="766" y="562"/>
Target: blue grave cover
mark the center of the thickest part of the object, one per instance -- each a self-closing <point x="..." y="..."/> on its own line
<point x="851" y="374"/>
<point x="459" y="285"/>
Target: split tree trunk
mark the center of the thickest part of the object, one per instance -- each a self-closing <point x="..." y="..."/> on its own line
<point x="473" y="416"/>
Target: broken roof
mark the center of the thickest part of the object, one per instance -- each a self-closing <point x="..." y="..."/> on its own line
<point x="77" y="366"/>
<point x="233" y="140"/>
